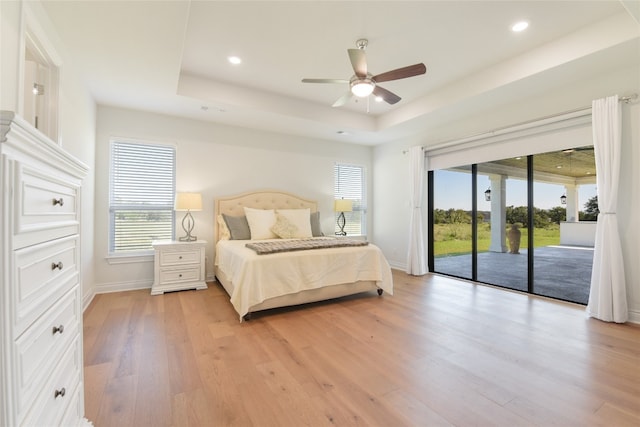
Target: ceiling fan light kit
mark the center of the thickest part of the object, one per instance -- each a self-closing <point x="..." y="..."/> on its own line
<point x="362" y="83"/>
<point x="362" y="87"/>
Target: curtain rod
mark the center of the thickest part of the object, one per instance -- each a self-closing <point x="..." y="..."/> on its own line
<point x="627" y="99"/>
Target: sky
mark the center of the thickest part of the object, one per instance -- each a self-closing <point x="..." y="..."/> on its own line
<point x="457" y="192"/>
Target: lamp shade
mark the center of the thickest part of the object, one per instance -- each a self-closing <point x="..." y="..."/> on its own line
<point x="342" y="205"/>
<point x="188" y="202"/>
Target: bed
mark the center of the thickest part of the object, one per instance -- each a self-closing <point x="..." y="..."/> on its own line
<point x="258" y="282"/>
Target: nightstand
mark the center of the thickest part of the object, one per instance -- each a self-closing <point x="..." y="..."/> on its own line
<point x="178" y="266"/>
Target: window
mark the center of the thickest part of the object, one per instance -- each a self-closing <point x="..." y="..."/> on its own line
<point x="349" y="184"/>
<point x="141" y="195"/>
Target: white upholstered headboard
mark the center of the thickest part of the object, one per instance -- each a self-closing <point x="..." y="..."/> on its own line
<point x="265" y="199"/>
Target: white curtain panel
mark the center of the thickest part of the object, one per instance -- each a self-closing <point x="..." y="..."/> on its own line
<point x="607" y="296"/>
<point x="417" y="260"/>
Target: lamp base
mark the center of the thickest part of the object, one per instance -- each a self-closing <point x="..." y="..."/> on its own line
<point x="341" y="223"/>
<point x="188" y="238"/>
<point x="187" y="226"/>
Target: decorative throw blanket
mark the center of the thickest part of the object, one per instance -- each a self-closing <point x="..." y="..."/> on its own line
<point x="275" y="246"/>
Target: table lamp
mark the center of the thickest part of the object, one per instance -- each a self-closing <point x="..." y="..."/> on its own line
<point x="342" y="206"/>
<point x="188" y="202"/>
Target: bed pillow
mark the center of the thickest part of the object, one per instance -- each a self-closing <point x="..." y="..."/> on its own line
<point x="300" y="218"/>
<point x="238" y="227"/>
<point x="316" y="230"/>
<point x="260" y="223"/>
<point x="283" y="228"/>
<point x="223" y="230"/>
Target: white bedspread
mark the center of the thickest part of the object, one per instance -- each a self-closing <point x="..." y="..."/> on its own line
<point x="257" y="278"/>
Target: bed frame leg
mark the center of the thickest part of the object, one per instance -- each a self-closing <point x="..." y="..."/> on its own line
<point x="246" y="317"/>
<point x="380" y="291"/>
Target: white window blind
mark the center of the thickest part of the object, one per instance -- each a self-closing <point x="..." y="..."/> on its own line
<point x="141" y="195"/>
<point x="349" y="184"/>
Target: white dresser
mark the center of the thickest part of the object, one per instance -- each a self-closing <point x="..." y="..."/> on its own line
<point x="178" y="266"/>
<point x="41" y="368"/>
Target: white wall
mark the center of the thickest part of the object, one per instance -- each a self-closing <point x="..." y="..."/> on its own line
<point x="76" y="122"/>
<point x="391" y="165"/>
<point x="218" y="161"/>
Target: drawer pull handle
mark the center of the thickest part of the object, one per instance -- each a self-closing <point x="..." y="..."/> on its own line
<point x="60" y="393"/>
<point x="59" y="201"/>
<point x="58" y="265"/>
<point x="58" y="329"/>
<point x="180" y="257"/>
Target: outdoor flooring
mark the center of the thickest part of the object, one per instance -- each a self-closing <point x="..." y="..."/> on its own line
<point x="562" y="272"/>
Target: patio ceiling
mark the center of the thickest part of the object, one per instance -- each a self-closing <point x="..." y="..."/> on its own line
<point x="575" y="166"/>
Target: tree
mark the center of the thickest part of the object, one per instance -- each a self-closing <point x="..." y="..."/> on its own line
<point x="517" y="215"/>
<point x="591" y="210"/>
<point x="557" y="214"/>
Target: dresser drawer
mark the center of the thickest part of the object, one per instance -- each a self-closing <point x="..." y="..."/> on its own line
<point x="180" y="275"/>
<point x="41" y="346"/>
<point x="58" y="393"/>
<point x="46" y="205"/>
<point x="41" y="273"/>
<point x="168" y="257"/>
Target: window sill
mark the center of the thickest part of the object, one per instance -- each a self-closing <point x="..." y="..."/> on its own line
<point x="115" y="259"/>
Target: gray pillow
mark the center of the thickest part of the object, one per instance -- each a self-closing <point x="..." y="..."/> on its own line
<point x="238" y="227"/>
<point x="316" y="231"/>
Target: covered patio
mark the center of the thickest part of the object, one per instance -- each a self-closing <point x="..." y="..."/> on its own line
<point x="562" y="272"/>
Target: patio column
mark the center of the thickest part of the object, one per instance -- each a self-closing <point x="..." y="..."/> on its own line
<point x="571" y="191"/>
<point x="498" y="213"/>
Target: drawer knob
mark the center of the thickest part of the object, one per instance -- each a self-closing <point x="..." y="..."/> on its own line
<point x="180" y="275"/>
<point x="58" y="329"/>
<point x="59" y="201"/>
<point x="59" y="393"/>
<point x="58" y="265"/>
<point x="180" y="257"/>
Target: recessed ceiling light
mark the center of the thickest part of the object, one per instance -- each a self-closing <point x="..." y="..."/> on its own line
<point x="519" y="26"/>
<point x="235" y="60"/>
<point x="379" y="99"/>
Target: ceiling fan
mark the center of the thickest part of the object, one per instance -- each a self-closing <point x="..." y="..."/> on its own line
<point x="363" y="83"/>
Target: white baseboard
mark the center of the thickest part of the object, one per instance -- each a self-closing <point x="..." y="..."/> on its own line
<point x="105" y="288"/>
<point x="86" y="299"/>
<point x="397" y="265"/>
<point x="634" y="316"/>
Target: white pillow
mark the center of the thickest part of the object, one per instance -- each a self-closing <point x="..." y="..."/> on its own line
<point x="301" y="218"/>
<point x="260" y="223"/>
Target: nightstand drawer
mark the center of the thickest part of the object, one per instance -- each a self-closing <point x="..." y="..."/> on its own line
<point x="179" y="257"/>
<point x="182" y="275"/>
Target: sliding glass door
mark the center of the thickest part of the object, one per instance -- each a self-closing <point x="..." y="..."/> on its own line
<point x="564" y="223"/>
<point x="525" y="223"/>
<point x="452" y="222"/>
<point x="502" y="235"/>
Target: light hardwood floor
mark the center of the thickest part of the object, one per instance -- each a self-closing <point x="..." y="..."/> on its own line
<point x="438" y="352"/>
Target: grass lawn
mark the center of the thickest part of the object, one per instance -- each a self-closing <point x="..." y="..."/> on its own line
<point x="455" y="239"/>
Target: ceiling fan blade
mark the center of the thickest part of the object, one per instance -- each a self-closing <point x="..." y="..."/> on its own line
<point x="401" y="73"/>
<point x="358" y="61"/>
<point x="343" y="99"/>
<point x="325" y="81"/>
<point x="388" y="97"/>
